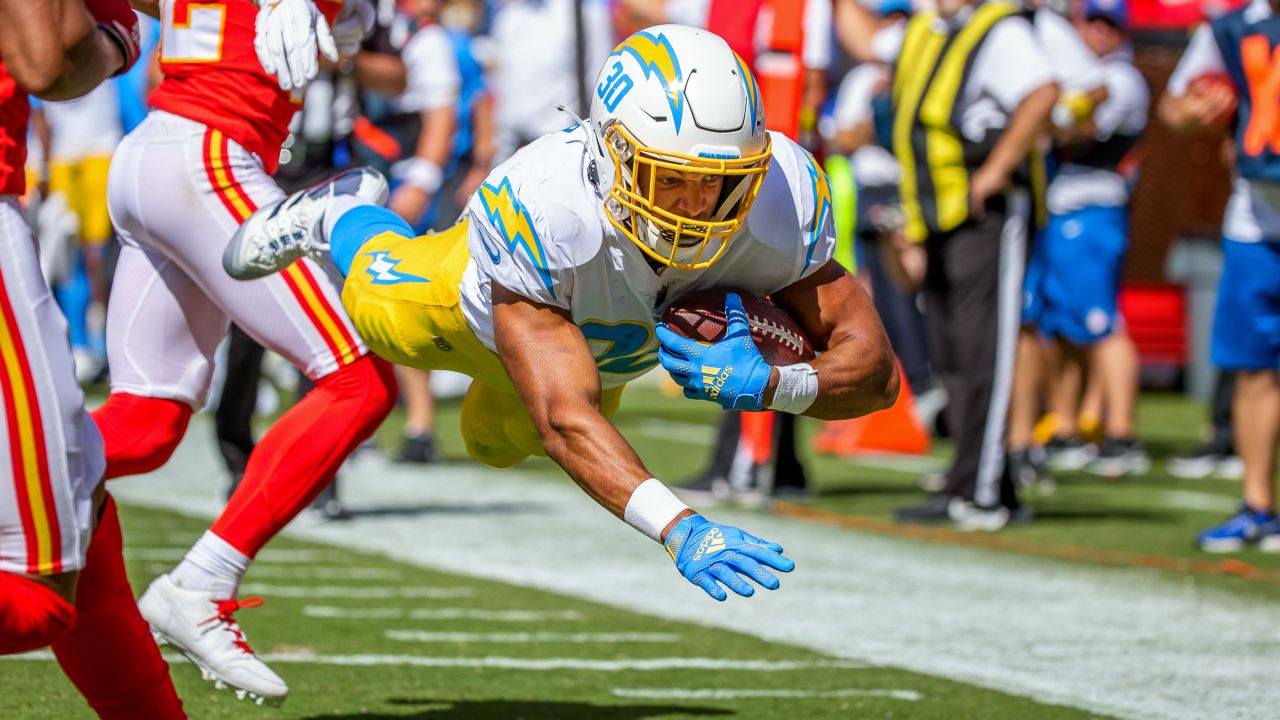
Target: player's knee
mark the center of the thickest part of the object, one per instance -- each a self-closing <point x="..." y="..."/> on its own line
<point x="139" y="434"/>
<point x="32" y="616"/>
<point x="372" y="381"/>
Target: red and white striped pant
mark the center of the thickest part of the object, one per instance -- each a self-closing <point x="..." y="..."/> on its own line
<point x="178" y="189"/>
<point x="51" y="460"/>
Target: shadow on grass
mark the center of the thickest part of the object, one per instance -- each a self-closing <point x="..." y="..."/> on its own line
<point x="527" y="710"/>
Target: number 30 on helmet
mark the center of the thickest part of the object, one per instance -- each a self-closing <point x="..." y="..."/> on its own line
<point x="678" y="98"/>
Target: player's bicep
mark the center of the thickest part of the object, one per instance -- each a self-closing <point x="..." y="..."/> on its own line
<point x="35" y="36"/>
<point x="545" y="355"/>
<point x="830" y="306"/>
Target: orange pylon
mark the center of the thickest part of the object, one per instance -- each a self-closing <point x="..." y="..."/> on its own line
<point x="894" y="430"/>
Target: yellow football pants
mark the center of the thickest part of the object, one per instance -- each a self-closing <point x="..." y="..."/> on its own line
<point x="421" y="325"/>
<point x="84" y="183"/>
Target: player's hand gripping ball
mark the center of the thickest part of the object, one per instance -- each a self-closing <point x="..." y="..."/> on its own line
<point x="708" y="554"/>
<point x="287" y="35"/>
<point x="728" y="357"/>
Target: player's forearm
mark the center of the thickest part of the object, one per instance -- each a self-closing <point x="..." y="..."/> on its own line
<point x="381" y="72"/>
<point x="857" y="375"/>
<point x="437" y="136"/>
<point x="1178" y="112"/>
<point x="1029" y="119"/>
<point x="54" y="50"/>
<point x="593" y="453"/>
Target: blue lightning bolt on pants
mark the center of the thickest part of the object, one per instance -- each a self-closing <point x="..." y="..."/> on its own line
<point x="358" y="226"/>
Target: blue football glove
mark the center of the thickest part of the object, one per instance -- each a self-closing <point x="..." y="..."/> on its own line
<point x="705" y="552"/>
<point x="730" y="372"/>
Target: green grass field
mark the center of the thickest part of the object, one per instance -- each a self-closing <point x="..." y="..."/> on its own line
<point x="369" y="634"/>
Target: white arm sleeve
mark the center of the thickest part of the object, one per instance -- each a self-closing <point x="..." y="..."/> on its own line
<point x="1011" y="64"/>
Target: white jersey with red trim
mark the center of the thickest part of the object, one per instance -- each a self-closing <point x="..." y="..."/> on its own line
<point x="537" y="227"/>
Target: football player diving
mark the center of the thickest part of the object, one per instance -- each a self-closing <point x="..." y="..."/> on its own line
<point x="547" y="291"/>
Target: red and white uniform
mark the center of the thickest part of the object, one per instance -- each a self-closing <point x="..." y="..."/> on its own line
<point x="50" y="451"/>
<point x="180" y="184"/>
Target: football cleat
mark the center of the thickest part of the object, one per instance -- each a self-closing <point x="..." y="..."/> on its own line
<point x="279" y="234"/>
<point x="1246" y="527"/>
<point x="204" y="629"/>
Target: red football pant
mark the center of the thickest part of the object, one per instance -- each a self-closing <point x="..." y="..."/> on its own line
<point x="31" y="615"/>
<point x="139" y="433"/>
<point x="303" y="449"/>
<point x="109" y="654"/>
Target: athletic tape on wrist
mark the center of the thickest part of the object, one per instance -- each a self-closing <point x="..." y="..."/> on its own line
<point x="420" y="173"/>
<point x="797" y="388"/>
<point x="651" y="508"/>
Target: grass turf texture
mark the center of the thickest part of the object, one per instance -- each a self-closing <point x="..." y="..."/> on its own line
<point x="32" y="690"/>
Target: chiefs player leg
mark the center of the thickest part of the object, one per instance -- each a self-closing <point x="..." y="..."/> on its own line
<point x="54" y="590"/>
<point x="181" y="189"/>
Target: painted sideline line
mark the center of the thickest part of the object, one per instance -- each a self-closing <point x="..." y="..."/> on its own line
<point x="726" y="694"/>
<point x="304" y="573"/>
<point x="361" y="592"/>
<point x="538" y="637"/>
<point x="325" y="611"/>
<point x="510" y="663"/>
<point x="268" y="555"/>
<point x="946" y="536"/>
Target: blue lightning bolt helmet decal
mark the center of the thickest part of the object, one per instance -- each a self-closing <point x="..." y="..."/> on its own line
<point x="383" y="269"/>
<point x="656" y="57"/>
<point x="511" y="219"/>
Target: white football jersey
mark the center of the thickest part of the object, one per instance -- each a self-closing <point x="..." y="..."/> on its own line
<point x="538" y="228"/>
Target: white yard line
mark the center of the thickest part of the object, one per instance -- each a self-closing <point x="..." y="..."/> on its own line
<point x="725" y="694"/>
<point x="1129" y="643"/>
<point x="512" y="663"/>
<point x="421" y="636"/>
<point x="362" y="592"/>
<point x="282" y="572"/>
<point x="1203" y="501"/>
<point x="515" y="616"/>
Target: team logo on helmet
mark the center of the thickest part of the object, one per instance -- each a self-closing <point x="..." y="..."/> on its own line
<point x="656" y="57"/>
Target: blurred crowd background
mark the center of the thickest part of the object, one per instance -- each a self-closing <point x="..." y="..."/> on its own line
<point x="444" y="90"/>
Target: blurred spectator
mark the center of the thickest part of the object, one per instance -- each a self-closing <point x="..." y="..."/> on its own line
<point x="973" y="91"/>
<point x="1217" y="456"/>
<point x="1077" y="265"/>
<point x="545" y="54"/>
<point x="879" y="212"/>
<point x="1221" y="80"/>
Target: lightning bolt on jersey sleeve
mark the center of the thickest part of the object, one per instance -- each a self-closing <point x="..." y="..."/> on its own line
<point x="812" y="202"/>
<point x="516" y="240"/>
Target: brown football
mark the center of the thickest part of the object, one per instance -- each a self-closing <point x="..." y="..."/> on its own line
<point x="700" y="316"/>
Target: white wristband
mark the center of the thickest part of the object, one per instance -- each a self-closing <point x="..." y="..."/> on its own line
<point x="651" y="508"/>
<point x="420" y="173"/>
<point x="797" y="388"/>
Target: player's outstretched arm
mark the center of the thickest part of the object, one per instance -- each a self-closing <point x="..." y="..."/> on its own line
<point x="61" y="49"/>
<point x="552" y="368"/>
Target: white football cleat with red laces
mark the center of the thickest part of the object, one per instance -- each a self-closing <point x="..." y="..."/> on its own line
<point x="204" y="630"/>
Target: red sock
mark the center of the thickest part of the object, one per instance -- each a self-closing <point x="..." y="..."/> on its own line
<point x="110" y="655"/>
<point x="139" y="433"/>
<point x="303" y="449"/>
<point x="31" y="615"/>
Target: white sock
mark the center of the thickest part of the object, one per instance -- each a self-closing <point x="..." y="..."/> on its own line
<point x="337" y="206"/>
<point x="211" y="564"/>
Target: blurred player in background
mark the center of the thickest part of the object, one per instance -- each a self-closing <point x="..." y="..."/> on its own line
<point x="62" y="577"/>
<point x="1223" y="77"/>
<point x="180" y="184"/>
<point x="1078" y="260"/>
<point x="548" y="290"/>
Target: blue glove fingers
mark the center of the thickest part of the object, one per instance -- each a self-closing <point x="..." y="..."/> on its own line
<point x="768" y="556"/>
<point x="675" y="343"/>
<point x="693" y="393"/>
<point x="748" y="537"/>
<point x="726" y="574"/>
<point x="743" y="563"/>
<point x="737" y="315"/>
<point x="673" y="363"/>
<point x="704" y="581"/>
